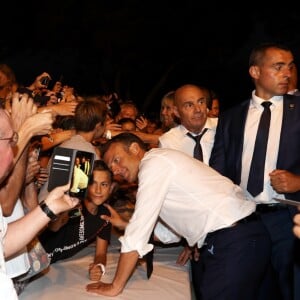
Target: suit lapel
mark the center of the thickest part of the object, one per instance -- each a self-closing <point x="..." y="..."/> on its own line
<point x="238" y="123"/>
<point x="290" y="119"/>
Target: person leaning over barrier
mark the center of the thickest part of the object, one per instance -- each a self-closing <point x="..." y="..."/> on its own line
<point x="182" y="197"/>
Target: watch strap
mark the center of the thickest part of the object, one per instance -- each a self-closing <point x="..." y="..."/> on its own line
<point x="45" y="208"/>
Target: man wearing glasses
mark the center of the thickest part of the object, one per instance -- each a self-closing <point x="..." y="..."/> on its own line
<point x="18" y="234"/>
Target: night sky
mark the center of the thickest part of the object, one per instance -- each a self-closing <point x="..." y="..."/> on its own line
<point x="142" y="49"/>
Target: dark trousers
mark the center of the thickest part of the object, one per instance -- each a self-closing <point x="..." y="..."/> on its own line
<point x="196" y="272"/>
<point x="233" y="262"/>
<point x="297" y="270"/>
<point x="279" y="281"/>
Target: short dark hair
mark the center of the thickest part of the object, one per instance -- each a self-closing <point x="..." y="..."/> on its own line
<point x="126" y="120"/>
<point x="100" y="165"/>
<point x="126" y="139"/>
<point x="259" y="51"/>
<point x="88" y="114"/>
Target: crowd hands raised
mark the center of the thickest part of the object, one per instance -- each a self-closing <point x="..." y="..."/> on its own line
<point x="18" y="126"/>
<point x="39" y="118"/>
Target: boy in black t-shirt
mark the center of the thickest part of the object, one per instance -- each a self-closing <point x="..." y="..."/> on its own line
<point x="76" y="229"/>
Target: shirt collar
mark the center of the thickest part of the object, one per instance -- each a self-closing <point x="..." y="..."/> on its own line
<point x="257" y="101"/>
<point x="210" y="124"/>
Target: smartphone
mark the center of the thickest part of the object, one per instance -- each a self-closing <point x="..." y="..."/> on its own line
<point x="45" y="81"/>
<point x="288" y="201"/>
<point x="71" y="165"/>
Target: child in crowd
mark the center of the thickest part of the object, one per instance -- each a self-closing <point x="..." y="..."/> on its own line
<point x="76" y="229"/>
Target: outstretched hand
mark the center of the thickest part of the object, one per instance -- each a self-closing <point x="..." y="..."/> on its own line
<point x="115" y="219"/>
<point x="22" y="108"/>
<point x="102" y="288"/>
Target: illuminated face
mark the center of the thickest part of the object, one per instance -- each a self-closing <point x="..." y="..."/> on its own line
<point x="273" y="74"/>
<point x="128" y="126"/>
<point x="3" y="79"/>
<point x="191" y="107"/>
<point x="215" y="109"/>
<point x="100" y="188"/>
<point x="77" y="161"/>
<point x="6" y="151"/>
<point x="167" y="113"/>
<point x="123" y="162"/>
<point x="128" y="111"/>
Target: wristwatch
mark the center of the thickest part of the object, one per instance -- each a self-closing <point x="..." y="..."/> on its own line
<point x="45" y="208"/>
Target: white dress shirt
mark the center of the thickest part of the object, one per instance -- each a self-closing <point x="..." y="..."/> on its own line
<point x="251" y="126"/>
<point x="176" y="138"/>
<point x="7" y="290"/>
<point x="189" y="196"/>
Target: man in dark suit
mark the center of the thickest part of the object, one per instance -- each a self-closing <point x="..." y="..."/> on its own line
<point x="85" y="165"/>
<point x="270" y="67"/>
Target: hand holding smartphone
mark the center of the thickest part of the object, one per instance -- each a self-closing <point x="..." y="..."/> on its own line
<point x="45" y="81"/>
<point x="71" y="165"/>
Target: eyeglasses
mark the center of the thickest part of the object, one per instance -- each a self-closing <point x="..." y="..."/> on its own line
<point x="12" y="140"/>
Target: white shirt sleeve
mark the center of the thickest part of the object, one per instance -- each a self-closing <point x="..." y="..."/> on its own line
<point x="7" y="288"/>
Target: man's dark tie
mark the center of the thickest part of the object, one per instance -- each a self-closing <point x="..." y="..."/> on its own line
<point x="256" y="174"/>
<point x="198" y="154"/>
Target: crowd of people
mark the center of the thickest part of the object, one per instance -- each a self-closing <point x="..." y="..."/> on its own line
<point x="186" y="174"/>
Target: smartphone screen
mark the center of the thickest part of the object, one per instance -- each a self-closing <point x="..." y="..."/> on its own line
<point x="82" y="171"/>
<point x="71" y="165"/>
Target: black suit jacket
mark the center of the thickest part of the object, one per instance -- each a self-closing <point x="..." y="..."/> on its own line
<point x="226" y="156"/>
